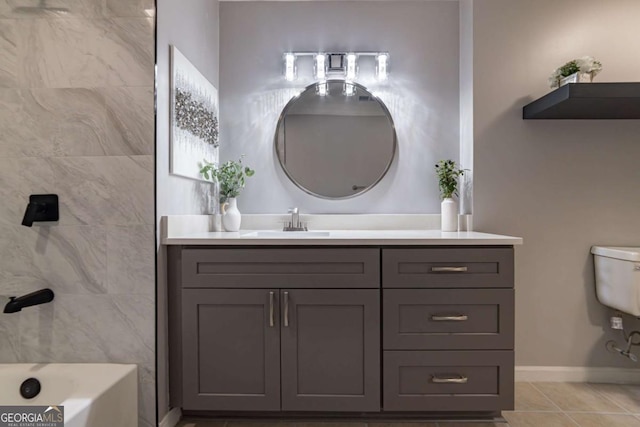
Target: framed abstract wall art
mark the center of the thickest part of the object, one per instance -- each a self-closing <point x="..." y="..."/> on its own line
<point x="194" y="118"/>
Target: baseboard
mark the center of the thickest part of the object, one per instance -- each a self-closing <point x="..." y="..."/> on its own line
<point x="571" y="374"/>
<point x="172" y="418"/>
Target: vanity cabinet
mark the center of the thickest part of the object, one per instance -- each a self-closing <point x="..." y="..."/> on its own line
<point x="231" y="349"/>
<point x="370" y="330"/>
<point x="280" y="349"/>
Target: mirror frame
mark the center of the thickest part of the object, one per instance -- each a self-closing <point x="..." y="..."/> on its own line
<point x="385" y="110"/>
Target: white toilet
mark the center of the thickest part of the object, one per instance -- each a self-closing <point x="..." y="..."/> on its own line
<point x="618" y="277"/>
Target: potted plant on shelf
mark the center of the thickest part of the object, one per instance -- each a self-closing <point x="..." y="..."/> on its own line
<point x="231" y="177"/>
<point x="448" y="175"/>
<point x="581" y="70"/>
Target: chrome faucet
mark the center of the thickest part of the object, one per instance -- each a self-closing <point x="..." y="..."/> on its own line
<point x="294" y="224"/>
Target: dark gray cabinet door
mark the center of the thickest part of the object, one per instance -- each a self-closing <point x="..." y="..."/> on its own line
<point x="231" y="349"/>
<point x="330" y="350"/>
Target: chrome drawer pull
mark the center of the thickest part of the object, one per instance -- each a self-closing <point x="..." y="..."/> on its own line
<point x="271" y="321"/>
<point x="286" y="309"/>
<point x="457" y="318"/>
<point x="460" y="379"/>
<point x="449" y="269"/>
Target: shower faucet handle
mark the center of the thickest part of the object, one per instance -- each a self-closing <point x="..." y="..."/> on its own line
<point x="41" y="207"/>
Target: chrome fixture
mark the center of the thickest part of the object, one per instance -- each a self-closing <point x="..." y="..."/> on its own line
<point x="450" y="318"/>
<point x="285" y="295"/>
<point x="612" y="346"/>
<point x="336" y="64"/>
<point x="294" y="224"/>
<point x="271" y="298"/>
<point x="456" y="379"/>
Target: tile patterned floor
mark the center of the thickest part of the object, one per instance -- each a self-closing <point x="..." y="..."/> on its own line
<point x="537" y="405"/>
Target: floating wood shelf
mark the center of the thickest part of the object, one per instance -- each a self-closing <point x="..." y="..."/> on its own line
<point x="589" y="101"/>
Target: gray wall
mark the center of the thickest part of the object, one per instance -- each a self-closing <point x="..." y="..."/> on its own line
<point x="76" y="119"/>
<point x="422" y="93"/>
<point x="192" y="26"/>
<point x="562" y="185"/>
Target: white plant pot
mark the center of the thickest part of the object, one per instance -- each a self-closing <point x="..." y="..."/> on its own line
<point x="449" y="215"/>
<point x="231" y="216"/>
<point x="576" y="78"/>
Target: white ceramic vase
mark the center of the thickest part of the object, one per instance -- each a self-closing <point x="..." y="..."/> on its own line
<point x="449" y="215"/>
<point x="576" y="78"/>
<point x="231" y="216"/>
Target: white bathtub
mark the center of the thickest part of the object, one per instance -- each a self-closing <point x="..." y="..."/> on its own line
<point x="93" y="395"/>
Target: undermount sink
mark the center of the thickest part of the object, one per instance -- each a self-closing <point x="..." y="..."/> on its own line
<point x="288" y="234"/>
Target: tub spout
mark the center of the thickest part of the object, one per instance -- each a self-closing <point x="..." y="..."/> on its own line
<point x="42" y="296"/>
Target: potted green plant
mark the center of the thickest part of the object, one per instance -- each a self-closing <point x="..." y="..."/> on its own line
<point x="231" y="178"/>
<point x="448" y="174"/>
<point x="581" y="70"/>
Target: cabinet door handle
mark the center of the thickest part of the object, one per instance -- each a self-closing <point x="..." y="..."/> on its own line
<point x="453" y="318"/>
<point x="459" y="379"/>
<point x="449" y="269"/>
<point x="286" y="309"/>
<point x="271" y="297"/>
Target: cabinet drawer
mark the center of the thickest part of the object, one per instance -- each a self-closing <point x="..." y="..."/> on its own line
<point x="281" y="268"/>
<point x="436" y="319"/>
<point x="448" y="380"/>
<point x="448" y="268"/>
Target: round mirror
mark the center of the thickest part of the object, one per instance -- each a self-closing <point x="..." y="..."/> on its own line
<point x="335" y="140"/>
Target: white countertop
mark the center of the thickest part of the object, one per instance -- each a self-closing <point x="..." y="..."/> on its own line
<point x="193" y="230"/>
<point x="345" y="237"/>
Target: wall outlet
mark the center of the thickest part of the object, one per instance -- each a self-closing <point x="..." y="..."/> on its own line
<point x="616" y="322"/>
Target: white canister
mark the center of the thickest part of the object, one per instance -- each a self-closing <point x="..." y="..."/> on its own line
<point x="449" y="215"/>
<point x="231" y="216"/>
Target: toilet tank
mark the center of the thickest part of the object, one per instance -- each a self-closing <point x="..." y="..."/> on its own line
<point x="618" y="277"/>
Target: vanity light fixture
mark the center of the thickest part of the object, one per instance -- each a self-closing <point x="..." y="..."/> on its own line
<point x="290" y="69"/>
<point x="320" y="67"/>
<point x="336" y="63"/>
<point x="339" y="65"/>
<point x="352" y="66"/>
<point x="382" y="59"/>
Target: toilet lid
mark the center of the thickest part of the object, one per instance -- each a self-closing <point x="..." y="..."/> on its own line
<point x="618" y="252"/>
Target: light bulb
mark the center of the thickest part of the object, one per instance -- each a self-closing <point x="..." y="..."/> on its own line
<point x="352" y="68"/>
<point x="321" y="72"/>
<point x="381" y="66"/>
<point x="290" y="66"/>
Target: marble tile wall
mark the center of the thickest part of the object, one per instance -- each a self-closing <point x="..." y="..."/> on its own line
<point x="77" y="119"/>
